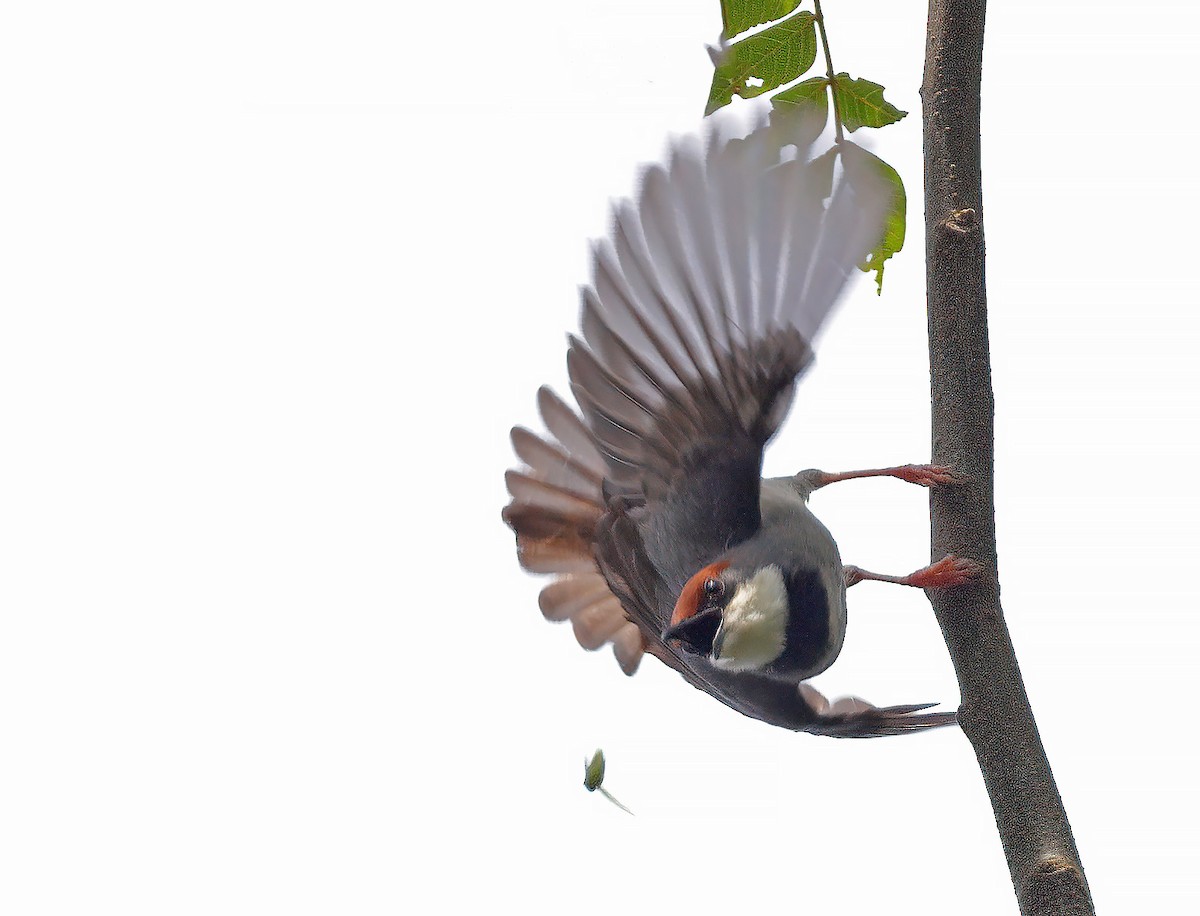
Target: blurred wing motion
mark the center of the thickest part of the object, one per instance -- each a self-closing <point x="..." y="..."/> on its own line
<point x="699" y="320"/>
<point x="703" y="307"/>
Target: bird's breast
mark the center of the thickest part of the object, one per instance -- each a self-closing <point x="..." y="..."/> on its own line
<point x="803" y="546"/>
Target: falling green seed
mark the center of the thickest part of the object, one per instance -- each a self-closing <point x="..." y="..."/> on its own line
<point x="593" y="775"/>
<point x="593" y="771"/>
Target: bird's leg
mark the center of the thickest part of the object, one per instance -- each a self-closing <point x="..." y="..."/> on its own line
<point x="945" y="573"/>
<point x="923" y="475"/>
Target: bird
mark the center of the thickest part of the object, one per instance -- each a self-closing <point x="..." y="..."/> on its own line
<point x="648" y="506"/>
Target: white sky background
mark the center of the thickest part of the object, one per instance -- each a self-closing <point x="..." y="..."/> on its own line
<point x="277" y="278"/>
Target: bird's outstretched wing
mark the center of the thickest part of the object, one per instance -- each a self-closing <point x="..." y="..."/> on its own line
<point x="700" y="317"/>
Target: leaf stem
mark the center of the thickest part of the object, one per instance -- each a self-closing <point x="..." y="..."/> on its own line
<point x="837" y="114"/>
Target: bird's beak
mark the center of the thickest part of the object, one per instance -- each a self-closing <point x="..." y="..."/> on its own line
<point x="717" y="643"/>
<point x="696" y="634"/>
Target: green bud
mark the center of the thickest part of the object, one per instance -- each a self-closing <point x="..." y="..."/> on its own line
<point x="593" y="772"/>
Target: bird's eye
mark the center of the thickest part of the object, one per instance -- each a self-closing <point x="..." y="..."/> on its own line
<point x="713" y="587"/>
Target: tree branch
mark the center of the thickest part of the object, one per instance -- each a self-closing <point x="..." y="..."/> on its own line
<point x="995" y="713"/>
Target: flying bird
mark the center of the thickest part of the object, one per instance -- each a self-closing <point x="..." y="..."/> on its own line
<point x="648" y="507"/>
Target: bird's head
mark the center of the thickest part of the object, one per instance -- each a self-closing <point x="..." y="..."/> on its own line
<point x="737" y="618"/>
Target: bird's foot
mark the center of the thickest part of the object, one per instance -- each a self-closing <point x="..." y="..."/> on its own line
<point x="927" y="475"/>
<point x="945" y="573"/>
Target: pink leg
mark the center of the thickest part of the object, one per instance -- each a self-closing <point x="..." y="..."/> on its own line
<point x="945" y="573"/>
<point x="924" y="475"/>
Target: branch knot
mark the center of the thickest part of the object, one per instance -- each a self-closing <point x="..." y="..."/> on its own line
<point x="1054" y="885"/>
<point x="962" y="221"/>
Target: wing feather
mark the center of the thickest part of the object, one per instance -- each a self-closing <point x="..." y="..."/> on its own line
<point x="554" y="499"/>
<point x="609" y="393"/>
<point x="555" y="466"/>
<point x="597" y="623"/>
<point x="628" y="647"/>
<point x="566" y="427"/>
<point x="701" y="315"/>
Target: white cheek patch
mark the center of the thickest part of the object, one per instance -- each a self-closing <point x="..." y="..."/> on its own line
<point x="753" y="623"/>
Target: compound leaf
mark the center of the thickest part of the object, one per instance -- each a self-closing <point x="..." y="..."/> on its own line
<point x="765" y="61"/>
<point x="739" y="15"/>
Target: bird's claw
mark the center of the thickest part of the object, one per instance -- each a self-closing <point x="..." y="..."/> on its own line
<point x="946" y="573"/>
<point x="929" y="475"/>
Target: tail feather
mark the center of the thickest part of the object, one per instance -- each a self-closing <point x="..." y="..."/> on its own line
<point x="557" y="501"/>
<point x="854" y="717"/>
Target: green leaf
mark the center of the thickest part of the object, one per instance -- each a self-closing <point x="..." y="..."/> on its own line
<point x="861" y="103"/>
<point x="739" y="15"/>
<point x="894" y="220"/>
<point x="810" y="96"/>
<point x="775" y="56"/>
<point x="593" y="771"/>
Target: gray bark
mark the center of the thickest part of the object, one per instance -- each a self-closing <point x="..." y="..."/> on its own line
<point x="995" y="713"/>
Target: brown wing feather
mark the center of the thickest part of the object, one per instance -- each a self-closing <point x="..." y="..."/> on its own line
<point x="567" y="596"/>
<point x="557" y="503"/>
